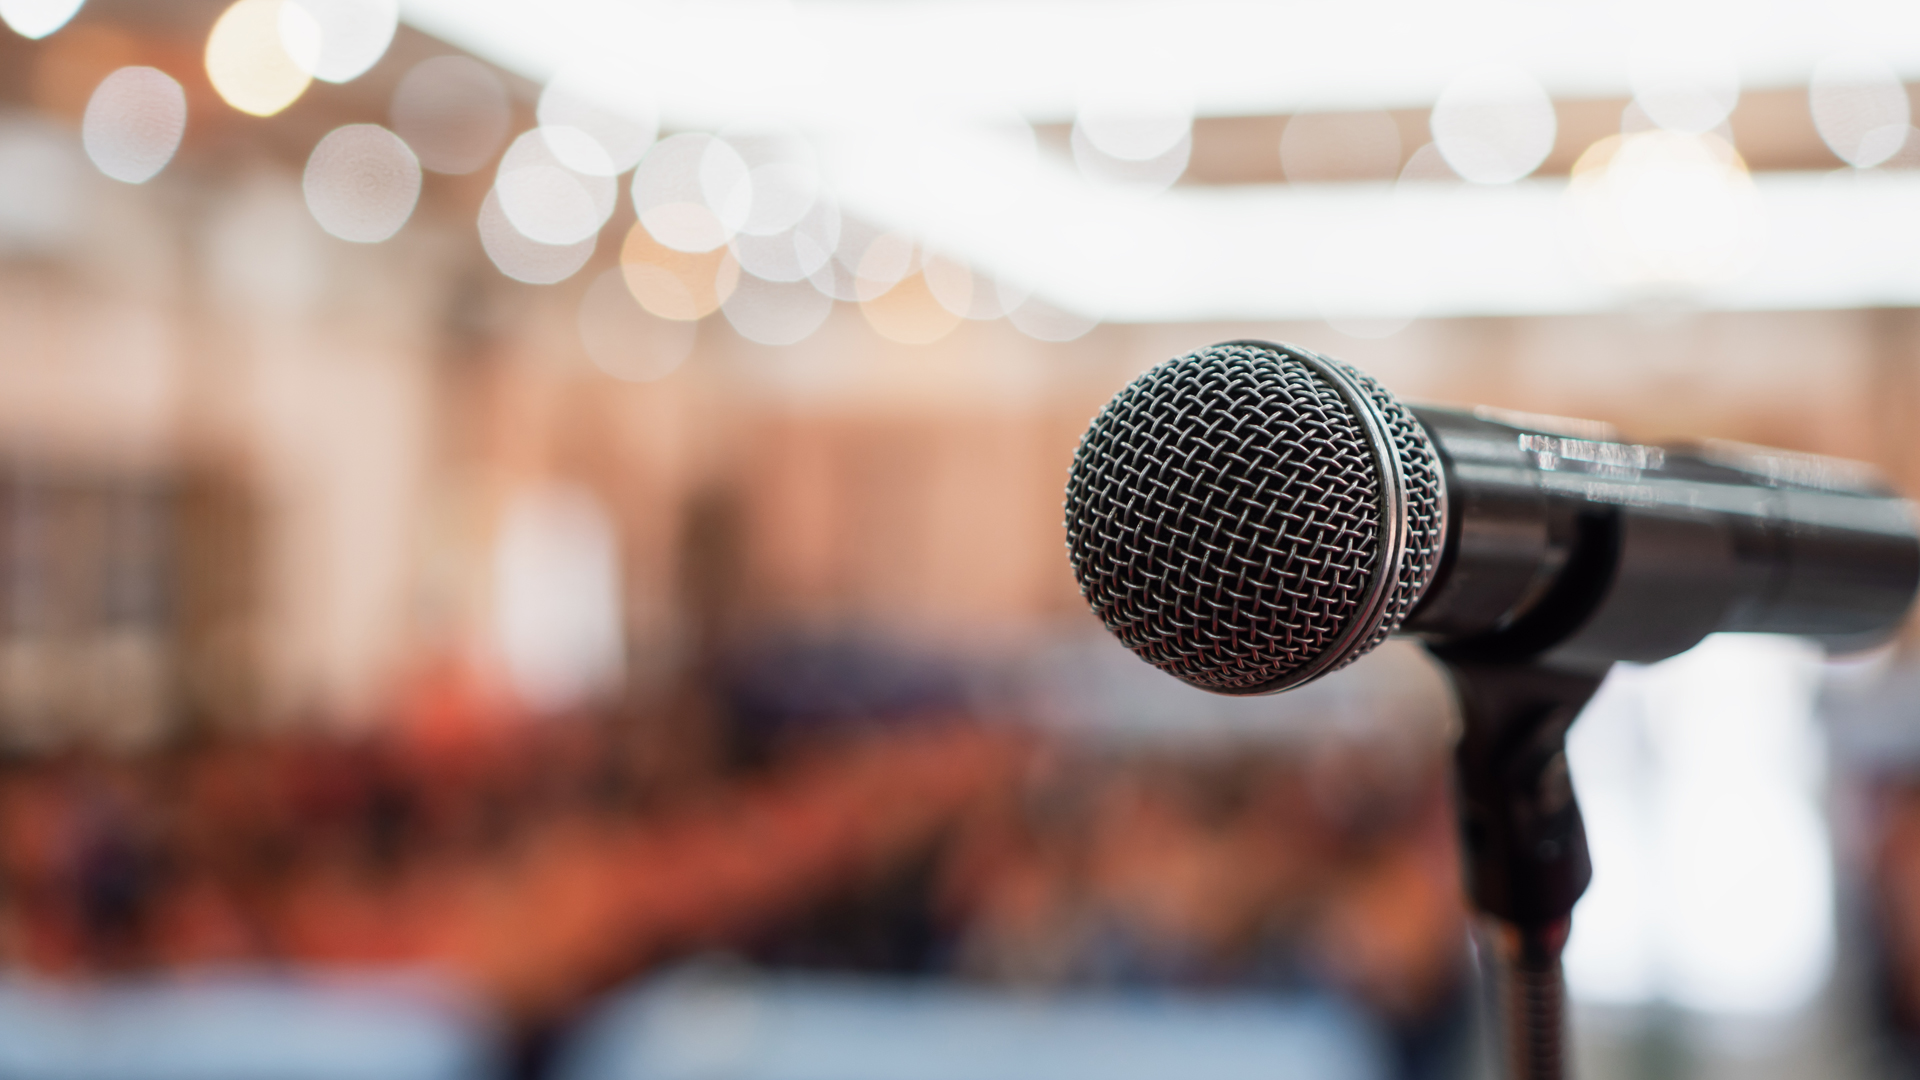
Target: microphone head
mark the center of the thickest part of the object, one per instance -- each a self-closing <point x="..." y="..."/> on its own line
<point x="1252" y="516"/>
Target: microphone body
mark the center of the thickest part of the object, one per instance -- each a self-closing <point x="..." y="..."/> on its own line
<point x="1569" y="546"/>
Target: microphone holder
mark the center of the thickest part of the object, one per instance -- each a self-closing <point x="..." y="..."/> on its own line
<point x="1523" y="845"/>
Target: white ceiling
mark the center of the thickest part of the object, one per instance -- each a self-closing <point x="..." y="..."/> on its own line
<point x="867" y="78"/>
<point x="831" y="62"/>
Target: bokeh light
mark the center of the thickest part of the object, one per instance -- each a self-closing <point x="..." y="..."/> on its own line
<point x="248" y="61"/>
<point x="1860" y="108"/>
<point x="37" y="18"/>
<point x="621" y="125"/>
<point x="693" y="192"/>
<point x="676" y="284"/>
<point x="1908" y="156"/>
<point x="775" y="312"/>
<point x="1494" y="125"/>
<point x="968" y="294"/>
<point x="1340" y="146"/>
<point x="839" y="276"/>
<point x="952" y="284"/>
<point x="336" y="41"/>
<point x="1047" y="322"/>
<point x="885" y="261"/>
<point x="544" y="198"/>
<point x="797" y="254"/>
<point x="1146" y="176"/>
<point x="528" y="260"/>
<point x="1428" y="165"/>
<point x="134" y="122"/>
<point x="623" y="339"/>
<point x="1634" y="119"/>
<point x="1665" y="208"/>
<point x="453" y="111"/>
<point x="784" y="173"/>
<point x="1134" y="128"/>
<point x="1684" y="87"/>
<point x="1136" y="117"/>
<point x="1004" y="298"/>
<point x="908" y="313"/>
<point x="362" y="183"/>
<point x="836" y="279"/>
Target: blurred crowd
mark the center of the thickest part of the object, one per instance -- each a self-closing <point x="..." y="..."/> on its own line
<point x="544" y="862"/>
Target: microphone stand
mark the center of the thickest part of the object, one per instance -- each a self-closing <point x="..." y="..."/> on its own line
<point x="1523" y="845"/>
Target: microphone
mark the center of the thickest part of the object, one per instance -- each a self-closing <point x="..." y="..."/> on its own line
<point x="1253" y="516"/>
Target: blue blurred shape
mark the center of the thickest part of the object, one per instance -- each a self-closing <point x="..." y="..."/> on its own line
<point x="703" y="1027"/>
<point x="240" y="1027"/>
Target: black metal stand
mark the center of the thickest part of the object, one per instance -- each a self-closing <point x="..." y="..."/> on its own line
<point x="1523" y="844"/>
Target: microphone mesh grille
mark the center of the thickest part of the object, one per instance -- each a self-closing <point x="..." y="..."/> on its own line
<point x="1223" y="516"/>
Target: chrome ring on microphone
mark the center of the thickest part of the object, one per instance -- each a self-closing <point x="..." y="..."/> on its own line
<point x="1392" y="578"/>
